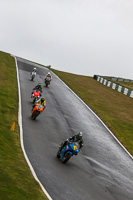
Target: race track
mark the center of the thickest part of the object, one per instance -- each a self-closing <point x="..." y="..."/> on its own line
<point x="101" y="171"/>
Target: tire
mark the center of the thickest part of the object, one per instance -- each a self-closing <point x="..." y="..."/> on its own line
<point x="35" y="114"/>
<point x="46" y="83"/>
<point x="32" y="78"/>
<point x="66" y="158"/>
<point x="58" y="154"/>
<point x="34" y="100"/>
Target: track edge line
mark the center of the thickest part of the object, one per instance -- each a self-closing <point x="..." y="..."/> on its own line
<point x="21" y="135"/>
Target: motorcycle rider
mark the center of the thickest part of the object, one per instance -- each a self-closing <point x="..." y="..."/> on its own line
<point x="34" y="70"/>
<point x="48" y="76"/>
<point x="39" y="87"/>
<point x="41" y="102"/>
<point x="76" y="138"/>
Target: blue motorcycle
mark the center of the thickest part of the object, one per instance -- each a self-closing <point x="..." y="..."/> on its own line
<point x="72" y="148"/>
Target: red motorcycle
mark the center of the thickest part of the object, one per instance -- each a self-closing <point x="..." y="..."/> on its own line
<point x="36" y="94"/>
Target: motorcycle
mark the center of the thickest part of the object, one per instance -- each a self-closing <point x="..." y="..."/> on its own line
<point x="47" y="81"/>
<point x="67" y="151"/>
<point x="36" y="111"/>
<point x="33" y="76"/>
<point x="35" y="95"/>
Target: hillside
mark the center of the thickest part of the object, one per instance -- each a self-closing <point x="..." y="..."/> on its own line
<point x="114" y="108"/>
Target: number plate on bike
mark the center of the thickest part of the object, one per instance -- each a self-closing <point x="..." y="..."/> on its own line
<point x="75" y="147"/>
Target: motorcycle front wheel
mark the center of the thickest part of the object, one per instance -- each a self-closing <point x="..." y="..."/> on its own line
<point x="66" y="157"/>
<point x="35" y="114"/>
<point x="58" y="154"/>
<point x="34" y="100"/>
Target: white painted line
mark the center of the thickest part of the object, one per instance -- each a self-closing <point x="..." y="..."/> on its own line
<point x="21" y="135"/>
<point x="97" y="117"/>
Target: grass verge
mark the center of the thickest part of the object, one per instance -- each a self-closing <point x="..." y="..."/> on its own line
<point x="114" y="108"/>
<point x="16" y="180"/>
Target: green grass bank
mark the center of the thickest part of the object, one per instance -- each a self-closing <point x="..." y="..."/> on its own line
<point x="114" y="108"/>
<point x="16" y="180"/>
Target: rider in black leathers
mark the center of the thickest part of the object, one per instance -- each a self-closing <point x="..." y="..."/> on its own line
<point x="39" y="87"/>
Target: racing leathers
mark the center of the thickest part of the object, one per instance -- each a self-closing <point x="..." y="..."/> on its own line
<point x="72" y="139"/>
<point x="48" y="76"/>
<point x="39" y="87"/>
<point x="43" y="104"/>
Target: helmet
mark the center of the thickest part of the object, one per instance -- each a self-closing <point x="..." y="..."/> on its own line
<point x="39" y="84"/>
<point x="34" y="69"/>
<point x="42" y="99"/>
<point x="79" y="135"/>
<point x="49" y="73"/>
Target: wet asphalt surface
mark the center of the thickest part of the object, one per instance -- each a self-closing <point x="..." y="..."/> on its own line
<point x="101" y="171"/>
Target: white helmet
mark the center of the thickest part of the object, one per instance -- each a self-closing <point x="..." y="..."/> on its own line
<point x="49" y="73"/>
<point x="34" y="69"/>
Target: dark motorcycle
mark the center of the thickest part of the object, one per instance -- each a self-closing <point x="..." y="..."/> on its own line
<point x="67" y="151"/>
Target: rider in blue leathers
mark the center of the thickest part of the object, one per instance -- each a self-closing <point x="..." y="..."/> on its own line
<point x="76" y="138"/>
